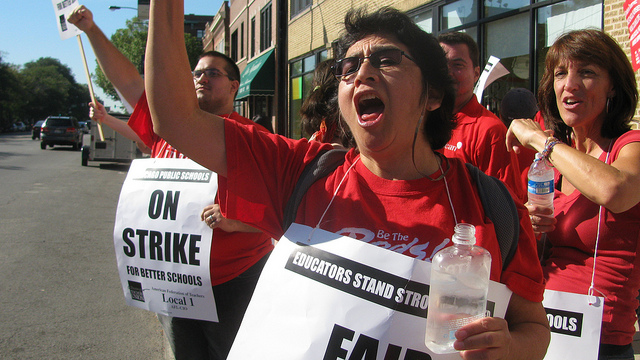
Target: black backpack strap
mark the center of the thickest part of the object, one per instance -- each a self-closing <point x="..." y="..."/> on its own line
<point x="323" y="164"/>
<point x="501" y="210"/>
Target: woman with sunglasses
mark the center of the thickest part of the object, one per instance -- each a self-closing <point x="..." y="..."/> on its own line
<point x="397" y="98"/>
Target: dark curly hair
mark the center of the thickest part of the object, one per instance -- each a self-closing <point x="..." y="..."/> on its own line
<point x="322" y="104"/>
<point x="423" y="47"/>
<point x="592" y="47"/>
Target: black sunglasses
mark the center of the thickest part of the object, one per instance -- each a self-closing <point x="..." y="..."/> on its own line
<point x="379" y="59"/>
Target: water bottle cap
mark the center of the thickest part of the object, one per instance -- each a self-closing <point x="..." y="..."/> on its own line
<point x="464" y="234"/>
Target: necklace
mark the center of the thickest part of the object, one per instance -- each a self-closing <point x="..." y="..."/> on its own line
<point x="592" y="288"/>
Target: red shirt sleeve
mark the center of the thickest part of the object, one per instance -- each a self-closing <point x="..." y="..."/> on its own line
<point x="140" y="122"/>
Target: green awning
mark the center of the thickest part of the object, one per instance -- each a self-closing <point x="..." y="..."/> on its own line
<point x="258" y="77"/>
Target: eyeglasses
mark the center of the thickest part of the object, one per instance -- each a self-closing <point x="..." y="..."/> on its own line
<point x="211" y="73"/>
<point x="379" y="59"/>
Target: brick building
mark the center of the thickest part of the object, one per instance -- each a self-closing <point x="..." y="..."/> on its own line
<point x="216" y="34"/>
<point x="518" y="32"/>
<point x="195" y="25"/>
<point x="252" y="45"/>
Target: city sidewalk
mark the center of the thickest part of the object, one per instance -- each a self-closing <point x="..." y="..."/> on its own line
<point x="168" y="353"/>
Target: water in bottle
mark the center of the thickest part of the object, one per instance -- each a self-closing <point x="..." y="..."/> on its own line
<point x="458" y="289"/>
<point x="540" y="187"/>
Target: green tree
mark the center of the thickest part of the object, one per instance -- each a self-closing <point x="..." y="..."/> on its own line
<point x="79" y="98"/>
<point x="131" y="42"/>
<point x="194" y="49"/>
<point x="52" y="90"/>
<point x="12" y="95"/>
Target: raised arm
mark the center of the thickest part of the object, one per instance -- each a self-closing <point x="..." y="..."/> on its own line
<point x="171" y="93"/>
<point x="99" y="114"/>
<point x="614" y="186"/>
<point x="119" y="70"/>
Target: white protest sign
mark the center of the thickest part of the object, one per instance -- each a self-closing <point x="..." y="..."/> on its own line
<point x="492" y="72"/>
<point x="162" y="246"/>
<point x="62" y="9"/>
<point x="334" y="297"/>
<point x="575" y="325"/>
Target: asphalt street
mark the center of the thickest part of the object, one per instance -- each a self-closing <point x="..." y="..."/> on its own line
<point x="60" y="294"/>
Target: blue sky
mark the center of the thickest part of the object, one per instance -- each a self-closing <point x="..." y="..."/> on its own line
<point x="28" y="31"/>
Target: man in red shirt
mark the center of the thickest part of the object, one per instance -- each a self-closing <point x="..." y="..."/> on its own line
<point x="479" y="136"/>
<point x="238" y="251"/>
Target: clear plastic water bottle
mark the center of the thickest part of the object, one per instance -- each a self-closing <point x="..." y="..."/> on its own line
<point x="458" y="289"/>
<point x="540" y="186"/>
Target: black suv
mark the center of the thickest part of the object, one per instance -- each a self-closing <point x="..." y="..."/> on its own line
<point x="35" y="130"/>
<point x="61" y="130"/>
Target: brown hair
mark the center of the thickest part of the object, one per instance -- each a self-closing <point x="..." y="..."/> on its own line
<point x="592" y="47"/>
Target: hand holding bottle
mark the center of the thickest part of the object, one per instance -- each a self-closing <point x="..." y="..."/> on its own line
<point x="458" y="289"/>
<point x="542" y="218"/>
<point x="540" y="192"/>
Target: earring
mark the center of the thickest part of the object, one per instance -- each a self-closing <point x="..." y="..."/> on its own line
<point x="608" y="105"/>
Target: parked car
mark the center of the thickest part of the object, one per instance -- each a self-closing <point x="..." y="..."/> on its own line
<point x="19" y="126"/>
<point x="61" y="130"/>
<point x="84" y="127"/>
<point x="35" y="129"/>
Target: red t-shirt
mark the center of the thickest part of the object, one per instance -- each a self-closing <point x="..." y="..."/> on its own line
<point x="479" y="139"/>
<point x="411" y="217"/>
<point x="617" y="274"/>
<point x="231" y="253"/>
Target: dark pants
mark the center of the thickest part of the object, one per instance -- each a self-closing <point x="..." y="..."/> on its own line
<point x="197" y="339"/>
<point x="615" y="352"/>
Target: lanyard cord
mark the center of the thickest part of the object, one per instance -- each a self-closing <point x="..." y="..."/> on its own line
<point x="335" y="193"/>
<point x="446" y="186"/>
<point x="442" y="159"/>
<point x="592" y="289"/>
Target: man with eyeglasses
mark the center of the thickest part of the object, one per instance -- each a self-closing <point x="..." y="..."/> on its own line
<point x="479" y="136"/>
<point x="238" y="251"/>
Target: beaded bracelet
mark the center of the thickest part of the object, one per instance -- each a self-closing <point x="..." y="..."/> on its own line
<point x="548" y="146"/>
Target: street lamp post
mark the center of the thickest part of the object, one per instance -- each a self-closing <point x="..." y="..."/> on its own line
<point x="143" y="10"/>
<point x="114" y="8"/>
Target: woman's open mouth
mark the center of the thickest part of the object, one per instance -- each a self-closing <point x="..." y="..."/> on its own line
<point x="370" y="109"/>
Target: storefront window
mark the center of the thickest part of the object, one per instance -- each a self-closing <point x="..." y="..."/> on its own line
<point x="425" y="21"/>
<point x="520" y="40"/>
<point x="495" y="7"/>
<point x="557" y="19"/>
<point x="300" y="85"/>
<point x="296" y="68"/>
<point x="309" y="63"/>
<point x="513" y="52"/>
<point x="458" y="13"/>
